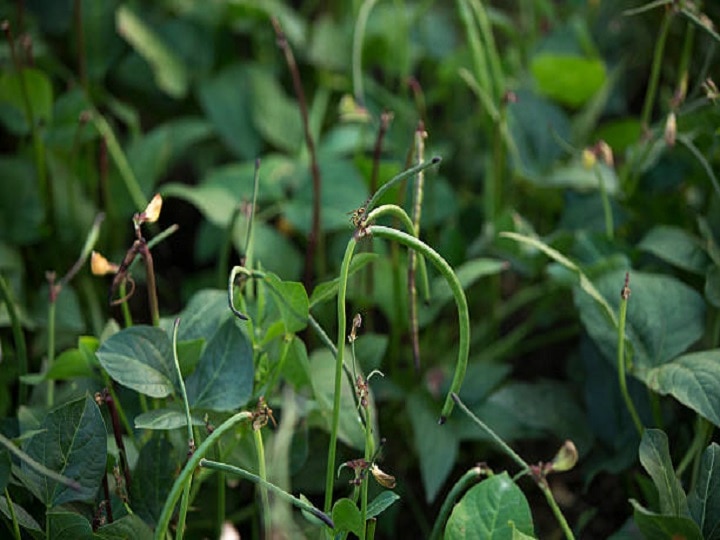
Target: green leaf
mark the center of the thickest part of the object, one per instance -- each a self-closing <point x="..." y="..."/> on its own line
<point x="21" y="209"/>
<point x="126" y="527"/>
<point x="704" y="501"/>
<point x="275" y="115"/>
<point x="24" y="518"/>
<point x="204" y="313"/>
<point x="328" y="289"/>
<point x="693" y="379"/>
<point x="436" y="445"/>
<point x="223" y="379"/>
<point x="712" y="286"/>
<point x="493" y="509"/>
<point x="13" y="113"/>
<point x="189" y="355"/>
<point x="165" y="418"/>
<point x="468" y="273"/>
<point x="568" y="79"/>
<point x="169" y="71"/>
<point x="65" y="525"/>
<point x="5" y="466"/>
<point x="215" y="203"/>
<point x="576" y="176"/>
<point x="664" y="318"/>
<point x="677" y="247"/>
<point x="655" y="458"/>
<point x="227" y="102"/>
<point x="291" y="300"/>
<point x="663" y="527"/>
<point x="382" y="502"/>
<point x="346" y="516"/>
<point x="70" y="364"/>
<point x="153" y="478"/>
<point x="140" y="357"/>
<point x="98" y="26"/>
<point x="72" y="442"/>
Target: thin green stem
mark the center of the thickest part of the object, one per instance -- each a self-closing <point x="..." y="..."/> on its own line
<point x="224" y="258"/>
<point x="186" y="474"/>
<point x="696" y="446"/>
<point x="181" y="382"/>
<point x="458" y="294"/>
<point x="13" y="516"/>
<point x="262" y="474"/>
<point x="607" y="209"/>
<point x="466" y="480"/>
<point x="358" y="37"/>
<point x="279" y="492"/>
<point x="18" y="337"/>
<point x="51" y="345"/>
<point x="655" y="70"/>
<point x="341" y="331"/>
<point x="621" y="367"/>
<point x="408" y="173"/>
<point x="540" y="481"/>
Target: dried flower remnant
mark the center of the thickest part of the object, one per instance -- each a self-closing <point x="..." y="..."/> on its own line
<point x="357" y="323"/>
<point x="711" y="90"/>
<point x="100" y="266"/>
<point x="384" y="479"/>
<point x="262" y="414"/>
<point x="671" y="129"/>
<point x="565" y="459"/>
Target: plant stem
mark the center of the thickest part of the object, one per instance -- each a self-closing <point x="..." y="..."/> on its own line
<point x="655" y="70"/>
<point x="187" y="471"/>
<point x="358" y="36"/>
<point x="607" y="210"/>
<point x="13" y="516"/>
<point x="467" y="480"/>
<point x="262" y="474"/>
<point x="460" y="301"/>
<point x="51" y="344"/>
<point x="315" y="239"/>
<point x="420" y="135"/>
<point x="412" y="171"/>
<point x="279" y="492"/>
<point x="621" y="367"/>
<point x="341" y="331"/>
<point x="151" y="287"/>
<point x="18" y="338"/>
<point x="540" y="481"/>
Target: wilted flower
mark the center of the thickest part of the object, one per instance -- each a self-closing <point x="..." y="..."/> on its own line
<point x="100" y="266"/>
<point x="384" y="479"/>
<point x="566" y="457"/>
<point x="152" y="211"/>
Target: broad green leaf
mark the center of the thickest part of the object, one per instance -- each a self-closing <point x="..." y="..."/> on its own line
<point x="704" y="501"/>
<point x="124" y="528"/>
<point x="13" y="113"/>
<point x="72" y="442"/>
<point x="693" y="379"/>
<point x="151" y="155"/>
<point x="328" y="289"/>
<point x="664" y="527"/>
<point x="227" y="102"/>
<point x="291" y="300"/>
<point x="712" y="286"/>
<point x="215" y="203"/>
<point x="381" y="503"/>
<point x="664" y="318"/>
<point x="153" y="477"/>
<point x="436" y="445"/>
<point x="166" y="418"/>
<point x="676" y="247"/>
<point x="140" y="357"/>
<point x="70" y="364"/>
<point x="21" y="209"/>
<point x="568" y="79"/>
<point x="322" y="371"/>
<point x="275" y="115"/>
<point x="223" y="379"/>
<point x="655" y="458"/>
<point x="189" y="355"/>
<point x="98" y="22"/>
<point x="66" y="525"/>
<point x="346" y="516"/>
<point x="272" y="248"/>
<point x="169" y="71"/>
<point x="468" y="273"/>
<point x="297" y="365"/>
<point x="24" y="518"/>
<point x="493" y="509"/>
<point x="204" y="313"/>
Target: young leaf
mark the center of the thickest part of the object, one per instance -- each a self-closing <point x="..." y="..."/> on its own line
<point x="292" y="302"/>
<point x="72" y="442"/>
<point x="24" y="518"/>
<point x="492" y="509"/>
<point x="655" y="457"/>
<point x="664" y="527"/>
<point x="693" y="379"/>
<point x="223" y="379"/>
<point x="140" y="357"/>
<point x="346" y="516"/>
<point x="381" y="503"/>
<point x="570" y="80"/>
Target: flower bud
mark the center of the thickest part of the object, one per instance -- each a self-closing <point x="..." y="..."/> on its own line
<point x="566" y="457"/>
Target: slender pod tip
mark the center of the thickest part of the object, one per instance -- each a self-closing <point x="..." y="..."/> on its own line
<point x="436" y="159"/>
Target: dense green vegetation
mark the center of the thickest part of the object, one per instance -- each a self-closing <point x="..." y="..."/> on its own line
<point x="362" y="269"/>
